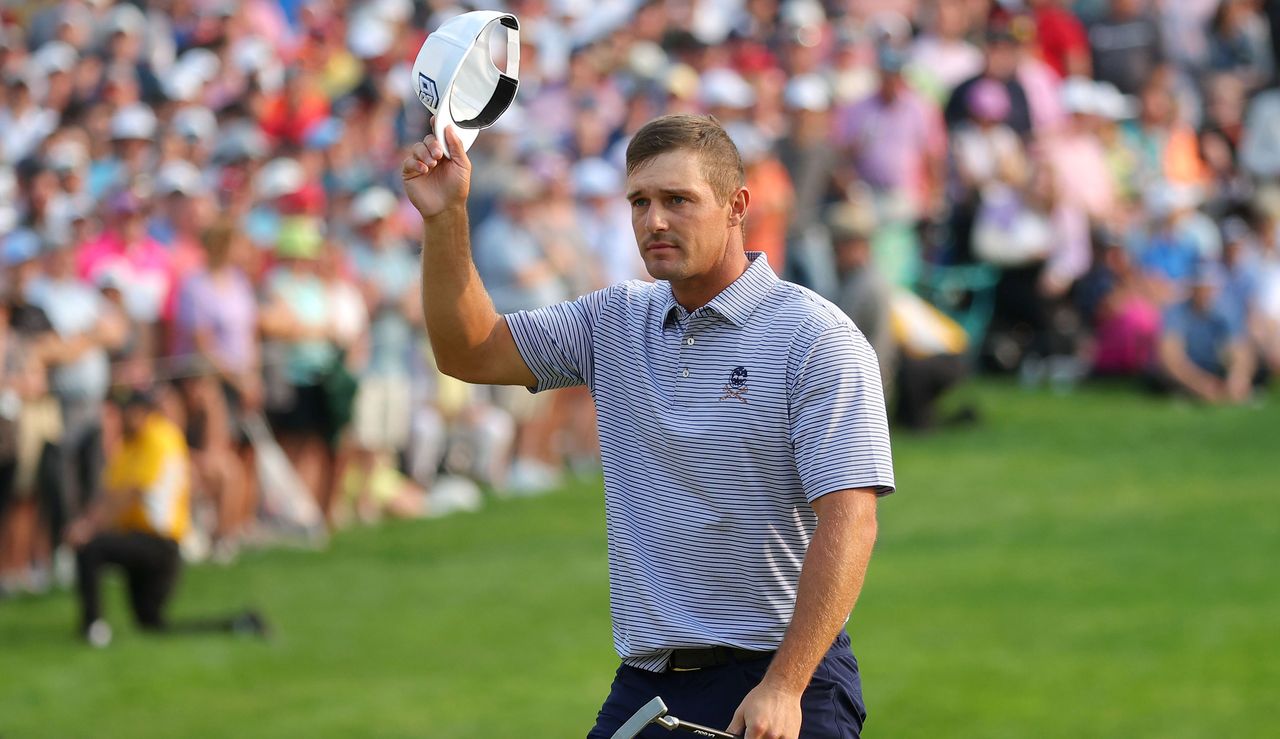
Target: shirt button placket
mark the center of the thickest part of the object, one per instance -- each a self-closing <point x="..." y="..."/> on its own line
<point x="685" y="390"/>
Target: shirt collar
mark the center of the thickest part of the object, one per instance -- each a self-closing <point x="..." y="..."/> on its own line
<point x="736" y="302"/>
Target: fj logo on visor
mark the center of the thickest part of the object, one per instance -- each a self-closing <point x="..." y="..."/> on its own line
<point x="427" y="91"/>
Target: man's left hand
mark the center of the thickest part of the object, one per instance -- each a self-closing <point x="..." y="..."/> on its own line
<point x="79" y="532"/>
<point x="767" y="713"/>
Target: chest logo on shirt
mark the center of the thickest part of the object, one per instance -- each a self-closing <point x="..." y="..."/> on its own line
<point x="737" y="385"/>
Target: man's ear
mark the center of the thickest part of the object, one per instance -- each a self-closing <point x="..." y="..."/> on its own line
<point x="738" y="207"/>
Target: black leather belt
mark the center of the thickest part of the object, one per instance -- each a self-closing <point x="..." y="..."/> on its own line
<point x="685" y="660"/>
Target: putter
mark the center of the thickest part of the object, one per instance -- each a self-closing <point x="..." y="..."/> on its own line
<point x="655" y="712"/>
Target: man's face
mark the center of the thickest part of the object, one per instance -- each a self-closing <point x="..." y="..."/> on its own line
<point x="891" y="85"/>
<point x="1125" y="8"/>
<point x="61" y="263"/>
<point x="852" y="253"/>
<point x="1203" y="296"/>
<point x="21" y="275"/>
<point x="1002" y="59"/>
<point x="681" y="227"/>
<point x="133" y="418"/>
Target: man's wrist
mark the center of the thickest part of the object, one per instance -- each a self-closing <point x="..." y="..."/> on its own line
<point x="784" y="681"/>
<point x="450" y="214"/>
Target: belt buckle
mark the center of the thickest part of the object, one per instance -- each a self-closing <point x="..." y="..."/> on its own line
<point x="673" y="668"/>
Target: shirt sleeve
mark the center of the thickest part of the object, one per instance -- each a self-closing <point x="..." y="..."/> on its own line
<point x="839" y="429"/>
<point x="556" y="342"/>
<point x="1174" y="322"/>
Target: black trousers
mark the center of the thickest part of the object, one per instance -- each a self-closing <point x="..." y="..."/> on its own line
<point x="921" y="383"/>
<point x="831" y="706"/>
<point x="151" y="565"/>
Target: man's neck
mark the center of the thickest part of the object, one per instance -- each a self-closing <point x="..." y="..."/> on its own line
<point x="695" y="292"/>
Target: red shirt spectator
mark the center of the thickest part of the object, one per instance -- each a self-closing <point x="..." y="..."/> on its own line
<point x="1063" y="42"/>
<point x="290" y="115"/>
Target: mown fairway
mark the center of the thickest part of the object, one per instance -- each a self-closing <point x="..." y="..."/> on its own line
<point x="1094" y="565"/>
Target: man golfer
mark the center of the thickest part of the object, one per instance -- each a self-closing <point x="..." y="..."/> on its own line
<point x="742" y="432"/>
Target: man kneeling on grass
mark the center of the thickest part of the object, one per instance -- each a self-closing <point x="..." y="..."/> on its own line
<point x="136" y="524"/>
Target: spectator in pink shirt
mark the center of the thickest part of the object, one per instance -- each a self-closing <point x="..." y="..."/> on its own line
<point x="133" y="258"/>
<point x="1083" y="176"/>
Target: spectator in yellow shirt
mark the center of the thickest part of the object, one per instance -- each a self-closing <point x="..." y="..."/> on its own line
<point x="143" y="513"/>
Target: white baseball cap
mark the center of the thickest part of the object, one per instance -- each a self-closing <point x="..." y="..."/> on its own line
<point x="455" y="77"/>
<point x="135" y="121"/>
<point x="373" y="204"/>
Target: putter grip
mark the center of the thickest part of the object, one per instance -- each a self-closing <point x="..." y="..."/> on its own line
<point x="700" y="730"/>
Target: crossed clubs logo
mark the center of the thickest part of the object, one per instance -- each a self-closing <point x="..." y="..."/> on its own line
<point x="737" y="385"/>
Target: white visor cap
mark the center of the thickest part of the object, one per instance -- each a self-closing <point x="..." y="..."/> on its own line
<point x="455" y="77"/>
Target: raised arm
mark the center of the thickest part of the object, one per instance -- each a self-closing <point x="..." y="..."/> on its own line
<point x="470" y="340"/>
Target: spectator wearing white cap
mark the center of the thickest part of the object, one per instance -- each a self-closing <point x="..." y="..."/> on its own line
<point x="132" y="132"/>
<point x="272" y="186"/>
<point x="862" y="291"/>
<point x="183" y="213"/>
<point x="1075" y="153"/>
<point x="189" y="77"/>
<point x="57" y="60"/>
<point x="1114" y="109"/>
<point x="386" y="270"/>
<point x="67" y="215"/>
<point x="23" y="117"/>
<point x="604" y="219"/>
<point x="196" y="127"/>
<point x="805" y="151"/>
<point x="519" y="274"/>
<point x="726" y="94"/>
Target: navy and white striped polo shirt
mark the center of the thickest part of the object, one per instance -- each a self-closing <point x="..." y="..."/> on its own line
<point x="717" y="429"/>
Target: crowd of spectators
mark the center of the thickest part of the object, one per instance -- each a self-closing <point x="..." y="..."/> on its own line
<point x="201" y="198"/>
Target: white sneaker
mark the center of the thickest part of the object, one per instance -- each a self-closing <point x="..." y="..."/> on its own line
<point x="224" y="552"/>
<point x="194" y="547"/>
<point x="451" y="494"/>
<point x="98" y="634"/>
<point x="64" y="567"/>
<point x="529" y="477"/>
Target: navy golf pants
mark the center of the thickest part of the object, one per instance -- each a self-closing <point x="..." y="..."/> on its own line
<point x="832" y="704"/>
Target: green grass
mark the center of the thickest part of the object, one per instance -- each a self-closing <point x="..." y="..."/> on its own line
<point x="1097" y="565"/>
